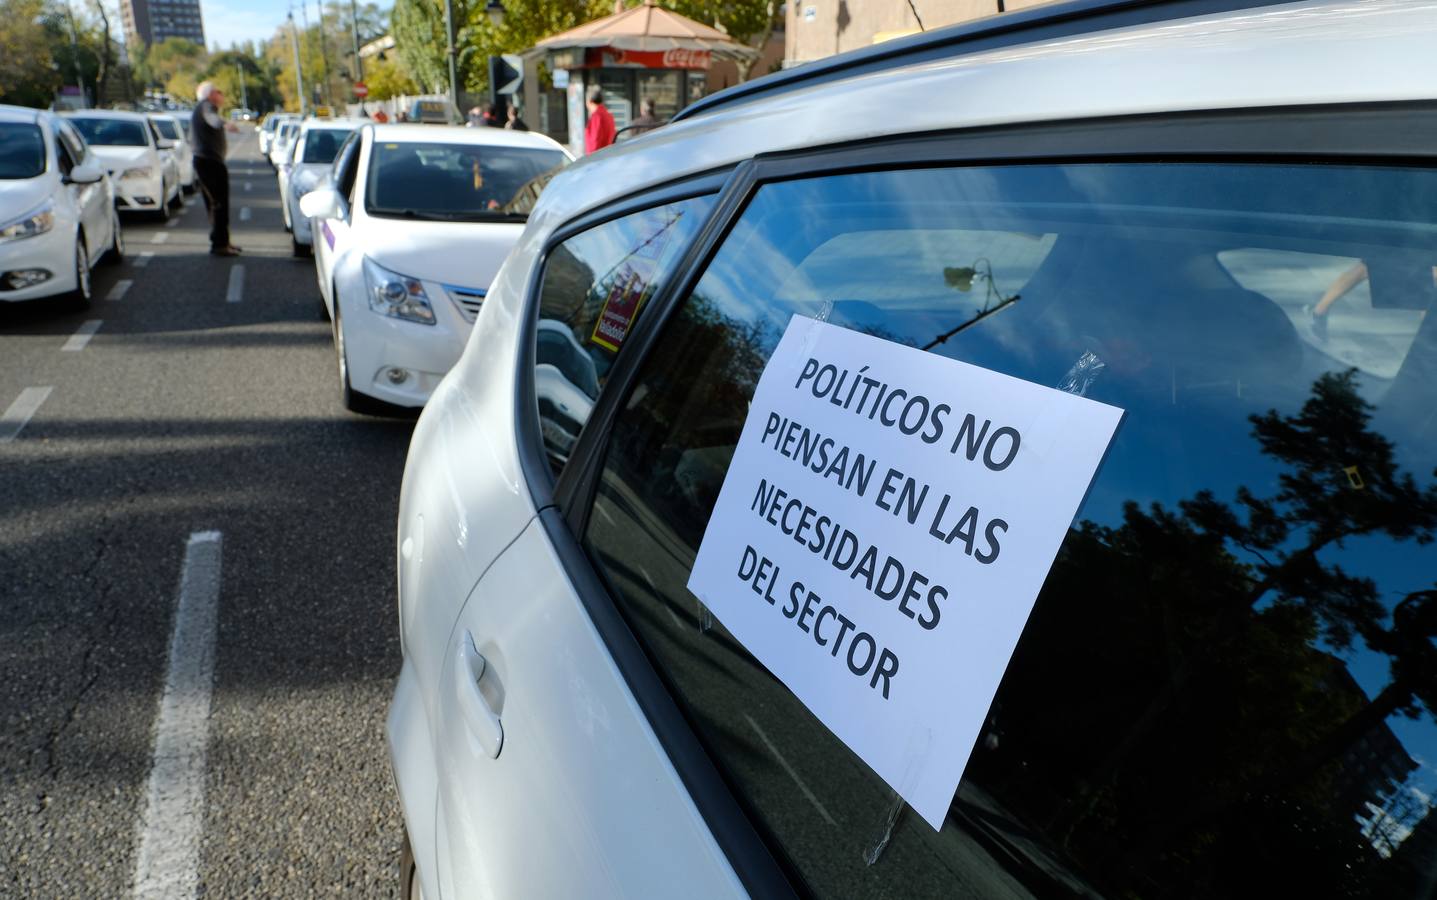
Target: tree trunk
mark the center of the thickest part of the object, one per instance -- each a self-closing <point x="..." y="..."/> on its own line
<point x="745" y="67"/>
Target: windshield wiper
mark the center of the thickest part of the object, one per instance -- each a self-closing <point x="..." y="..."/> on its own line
<point x="412" y="214"/>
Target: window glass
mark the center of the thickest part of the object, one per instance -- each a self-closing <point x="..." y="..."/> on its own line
<point x="111" y="132"/>
<point x="22" y="150"/>
<point x="346" y="166"/>
<point x="451" y="181"/>
<point x="321" y="144"/>
<point x="1227" y="685"/>
<point x="72" y="141"/>
<point x="167" y="128"/>
<point x="596" y="284"/>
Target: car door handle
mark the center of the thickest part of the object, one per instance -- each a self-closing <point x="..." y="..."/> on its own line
<point x="473" y="706"/>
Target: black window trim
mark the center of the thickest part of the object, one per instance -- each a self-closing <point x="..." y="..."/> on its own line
<point x="1390" y="134"/>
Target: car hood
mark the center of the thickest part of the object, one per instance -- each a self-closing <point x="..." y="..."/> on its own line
<point x="117" y="159"/>
<point x="460" y="254"/>
<point x="19" y="196"/>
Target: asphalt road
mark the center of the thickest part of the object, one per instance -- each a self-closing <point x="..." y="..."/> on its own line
<point x="187" y="414"/>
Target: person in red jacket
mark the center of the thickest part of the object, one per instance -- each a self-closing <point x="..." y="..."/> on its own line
<point x="599" y="133"/>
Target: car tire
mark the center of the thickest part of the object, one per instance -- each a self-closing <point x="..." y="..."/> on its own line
<point x="353" y="400"/>
<point x="116" y="254"/>
<point x="190" y="188"/>
<point x="84" y="291"/>
<point x="300" y="251"/>
<point x="163" y="213"/>
<point x="409" y="886"/>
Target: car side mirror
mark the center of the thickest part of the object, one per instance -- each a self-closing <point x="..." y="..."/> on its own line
<point x="322" y="203"/>
<point x="165" y="144"/>
<point x="85" y="173"/>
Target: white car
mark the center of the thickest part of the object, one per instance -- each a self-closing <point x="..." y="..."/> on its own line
<point x="173" y="129"/>
<point x="305" y="167"/>
<point x="408" y="236"/>
<point x="57" y="209"/>
<point x="142" y="164"/>
<point x="279" y="145"/>
<point x="1115" y="323"/>
<point x="268" y="128"/>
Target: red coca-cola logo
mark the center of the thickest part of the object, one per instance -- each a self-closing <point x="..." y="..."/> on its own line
<point x="680" y="58"/>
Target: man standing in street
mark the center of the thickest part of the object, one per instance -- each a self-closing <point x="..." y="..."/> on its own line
<point x="208" y="130"/>
<point x="599" y="133"/>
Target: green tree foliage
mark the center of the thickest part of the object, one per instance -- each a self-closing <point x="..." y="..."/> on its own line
<point x="386" y="78"/>
<point x="27" y="70"/>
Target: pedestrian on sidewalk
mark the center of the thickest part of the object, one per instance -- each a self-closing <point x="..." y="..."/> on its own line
<point x="599" y="133"/>
<point x="208" y="130"/>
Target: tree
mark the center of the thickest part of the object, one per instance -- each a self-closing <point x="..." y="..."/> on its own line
<point x="750" y="22"/>
<point x="28" y="76"/>
<point x="386" y="79"/>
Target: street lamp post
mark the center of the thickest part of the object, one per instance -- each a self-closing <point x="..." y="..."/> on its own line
<point x="298" y="72"/>
<point x="354" y="28"/>
<point x="453" y="54"/>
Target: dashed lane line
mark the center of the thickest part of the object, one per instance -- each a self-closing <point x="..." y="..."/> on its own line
<point x="144" y="259"/>
<point x="235" y="292"/>
<point x="167" y="864"/>
<point x="160" y="237"/>
<point x="172" y="222"/>
<point x="244" y="213"/>
<point x="77" y="341"/>
<point x="14" y="419"/>
<point x="121" y="288"/>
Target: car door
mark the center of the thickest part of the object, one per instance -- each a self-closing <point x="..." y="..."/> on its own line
<point x="97" y="199"/>
<point x="331" y="236"/>
<point x="81" y="199"/>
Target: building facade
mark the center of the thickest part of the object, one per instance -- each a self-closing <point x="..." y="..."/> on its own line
<point x="151" y="21"/>
<point x="819" y="28"/>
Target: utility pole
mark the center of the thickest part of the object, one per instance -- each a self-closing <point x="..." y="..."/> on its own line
<point x="453" y="63"/>
<point x="298" y="72"/>
<point x="244" y="93"/>
<point x="323" y="54"/>
<point x="75" y="56"/>
<point x="354" y="28"/>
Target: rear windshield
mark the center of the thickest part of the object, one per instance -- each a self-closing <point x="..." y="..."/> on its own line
<point x="454" y="181"/>
<point x="111" y="132"/>
<point x="22" y="150"/>
<point x="168" y="127"/>
<point x="322" y="144"/>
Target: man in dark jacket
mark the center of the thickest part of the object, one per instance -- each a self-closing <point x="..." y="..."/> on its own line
<point x="208" y="131"/>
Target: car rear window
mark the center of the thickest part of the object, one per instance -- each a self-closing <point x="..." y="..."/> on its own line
<point x="111" y="132"/>
<point x="22" y="150"/>
<point x="1227" y="685"/>
<point x="321" y="144"/>
<point x="452" y="181"/>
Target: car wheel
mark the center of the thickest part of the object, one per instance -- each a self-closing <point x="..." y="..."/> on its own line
<point x="409" y="886"/>
<point x="116" y="254"/>
<point x="353" y="400"/>
<point x="178" y="200"/>
<point x="189" y="188"/>
<point x="299" y="250"/>
<point x="84" y="292"/>
<point x="163" y="213"/>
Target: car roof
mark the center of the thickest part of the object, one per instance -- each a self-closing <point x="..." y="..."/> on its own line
<point x="106" y="114"/>
<point x="1286" y="55"/>
<point x="409" y="132"/>
<point x="22" y="114"/>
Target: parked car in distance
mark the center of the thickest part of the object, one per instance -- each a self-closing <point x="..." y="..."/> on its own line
<point x="57" y="209"/>
<point x="268" y="128"/>
<point x="242" y="115"/>
<point x="279" y="144"/>
<point x="311" y="155"/>
<point x="174" y="129"/>
<point x="432" y="112"/>
<point x="1183" y="253"/>
<point x="409" y="233"/>
<point x="142" y="165"/>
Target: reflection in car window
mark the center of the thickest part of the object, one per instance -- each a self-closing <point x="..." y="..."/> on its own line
<point x="111" y="132"/>
<point x="1228" y="684"/>
<point x="596" y="284"/>
<point x="22" y="150"/>
<point x="450" y="181"/>
<point x="321" y="144"/>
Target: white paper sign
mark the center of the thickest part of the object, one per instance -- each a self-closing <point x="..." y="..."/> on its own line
<point x="882" y="534"/>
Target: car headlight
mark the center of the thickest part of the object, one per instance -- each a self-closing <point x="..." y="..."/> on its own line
<point x="400" y="296"/>
<point x="138" y="172"/>
<point x="37" y="221"/>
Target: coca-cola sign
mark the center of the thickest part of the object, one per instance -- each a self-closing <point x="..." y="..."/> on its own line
<point x="673" y="58"/>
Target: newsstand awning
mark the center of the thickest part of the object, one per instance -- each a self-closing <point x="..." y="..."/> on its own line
<point x="646" y="30"/>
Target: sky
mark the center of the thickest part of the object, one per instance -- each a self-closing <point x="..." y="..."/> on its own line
<point x="233" y="21"/>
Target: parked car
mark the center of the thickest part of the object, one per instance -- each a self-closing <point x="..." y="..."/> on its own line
<point x="1203" y="681"/>
<point x="142" y="165"/>
<point x="311" y="155"/>
<point x="57" y="209"/>
<point x="268" y="128"/>
<point x="412" y="228"/>
<point x="175" y="130"/>
<point x="279" y="145"/>
<point x="242" y="115"/>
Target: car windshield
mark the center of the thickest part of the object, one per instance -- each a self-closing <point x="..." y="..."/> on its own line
<point x="453" y="181"/>
<point x="22" y="150"/>
<point x="111" y="132"/>
<point x="321" y="144"/>
<point x="168" y="127"/>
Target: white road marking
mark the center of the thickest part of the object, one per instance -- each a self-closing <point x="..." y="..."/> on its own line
<point x="172" y="223"/>
<point x="246" y="187"/>
<point x="244" y="213"/>
<point x="77" y="341"/>
<point x="121" y="288"/>
<point x="160" y="237"/>
<point x="167" y="864"/>
<point x="144" y="259"/>
<point x="235" y="293"/>
<point x="791" y="773"/>
<point x="14" y="419"/>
